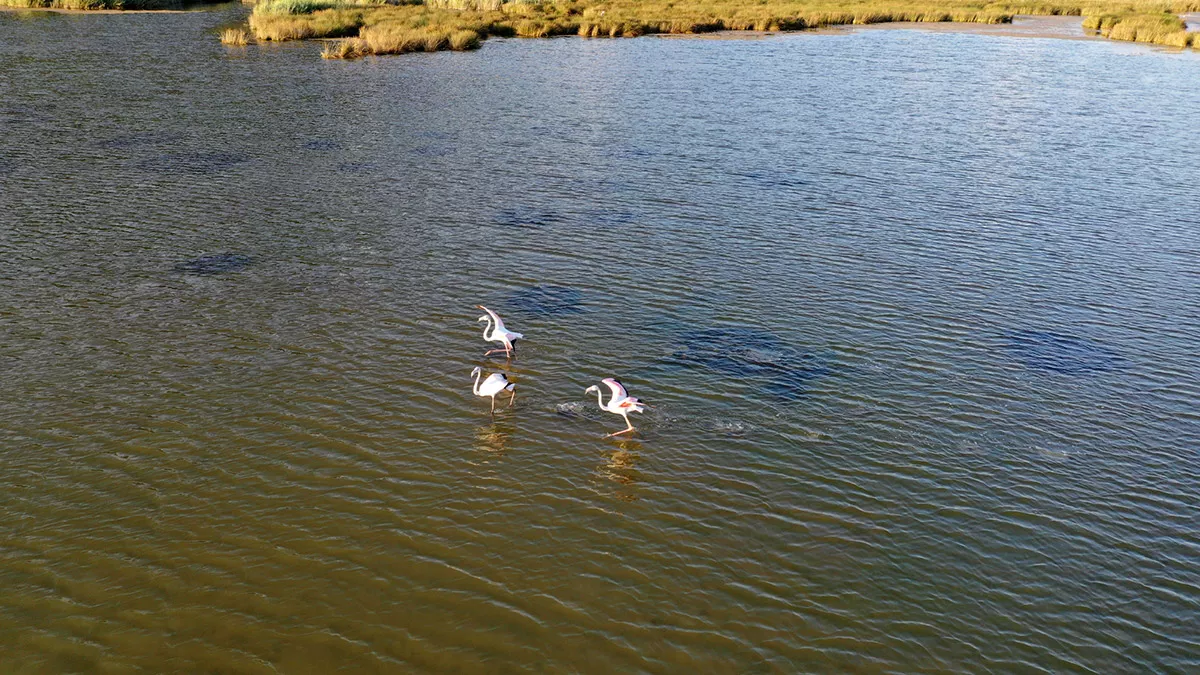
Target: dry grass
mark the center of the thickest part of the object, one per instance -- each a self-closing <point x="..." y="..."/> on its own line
<point x="326" y="23"/>
<point x="390" y="39"/>
<point x="235" y="37"/>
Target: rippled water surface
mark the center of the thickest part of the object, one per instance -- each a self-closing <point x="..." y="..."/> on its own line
<point x="916" y="314"/>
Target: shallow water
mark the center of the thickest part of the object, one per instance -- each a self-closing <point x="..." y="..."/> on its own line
<point x="238" y="327"/>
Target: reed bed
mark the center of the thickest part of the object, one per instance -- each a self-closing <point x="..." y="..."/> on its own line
<point x="235" y="37"/>
<point x="372" y="27"/>
<point x="1159" y="28"/>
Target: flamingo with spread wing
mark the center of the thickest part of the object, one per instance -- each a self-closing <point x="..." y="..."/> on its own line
<point x="620" y="403"/>
<point x="498" y="333"/>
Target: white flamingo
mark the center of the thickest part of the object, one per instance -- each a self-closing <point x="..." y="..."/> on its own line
<point x="499" y="333"/>
<point x="494" y="384"/>
<point x="621" y="402"/>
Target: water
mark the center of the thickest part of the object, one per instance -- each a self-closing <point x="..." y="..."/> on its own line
<point x="916" y="314"/>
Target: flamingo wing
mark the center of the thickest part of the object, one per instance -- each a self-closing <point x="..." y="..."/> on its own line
<point x="618" y="390"/>
<point x="493" y="384"/>
<point x="499" y="328"/>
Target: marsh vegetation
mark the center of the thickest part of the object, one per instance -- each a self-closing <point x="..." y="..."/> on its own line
<point x="367" y="27"/>
<point x="1162" y="28"/>
<point x="376" y="27"/>
<point x="235" y="37"/>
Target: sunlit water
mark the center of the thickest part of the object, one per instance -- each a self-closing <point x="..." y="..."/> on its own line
<point x="917" y="315"/>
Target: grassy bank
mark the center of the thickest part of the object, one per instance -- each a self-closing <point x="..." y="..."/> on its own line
<point x="375" y="27"/>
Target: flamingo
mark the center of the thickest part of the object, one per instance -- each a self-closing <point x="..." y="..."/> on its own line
<point x="494" y="384"/>
<point x="621" y="402"/>
<point x="499" y="334"/>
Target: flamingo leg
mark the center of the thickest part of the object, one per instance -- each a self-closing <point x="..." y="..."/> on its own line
<point x="512" y="398"/>
<point x="623" y="431"/>
<point x="493" y="404"/>
<point x="494" y="351"/>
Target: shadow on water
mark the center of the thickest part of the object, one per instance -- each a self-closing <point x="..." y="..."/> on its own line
<point x="216" y="263"/>
<point x="780" y="370"/>
<point x="546" y="300"/>
<point x="1060" y="353"/>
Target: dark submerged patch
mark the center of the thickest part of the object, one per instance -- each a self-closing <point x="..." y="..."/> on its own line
<point x="322" y="145"/>
<point x="358" y="168"/>
<point x="783" y="371"/>
<point x="1059" y="352"/>
<point x="134" y="140"/>
<point x="194" y="163"/>
<point x="547" y="300"/>
<point x="526" y="218"/>
<point x="217" y="263"/>
<point x="772" y="178"/>
<point x="608" y="217"/>
<point x="433" y="151"/>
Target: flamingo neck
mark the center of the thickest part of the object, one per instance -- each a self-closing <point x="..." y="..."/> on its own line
<point x="487" y="327"/>
<point x="476" y="387"/>
<point x="600" y="400"/>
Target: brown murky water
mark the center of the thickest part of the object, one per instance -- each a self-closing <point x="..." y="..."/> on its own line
<point x="916" y="314"/>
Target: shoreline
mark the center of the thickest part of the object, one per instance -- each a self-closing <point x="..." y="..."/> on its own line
<point x="1054" y="27"/>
